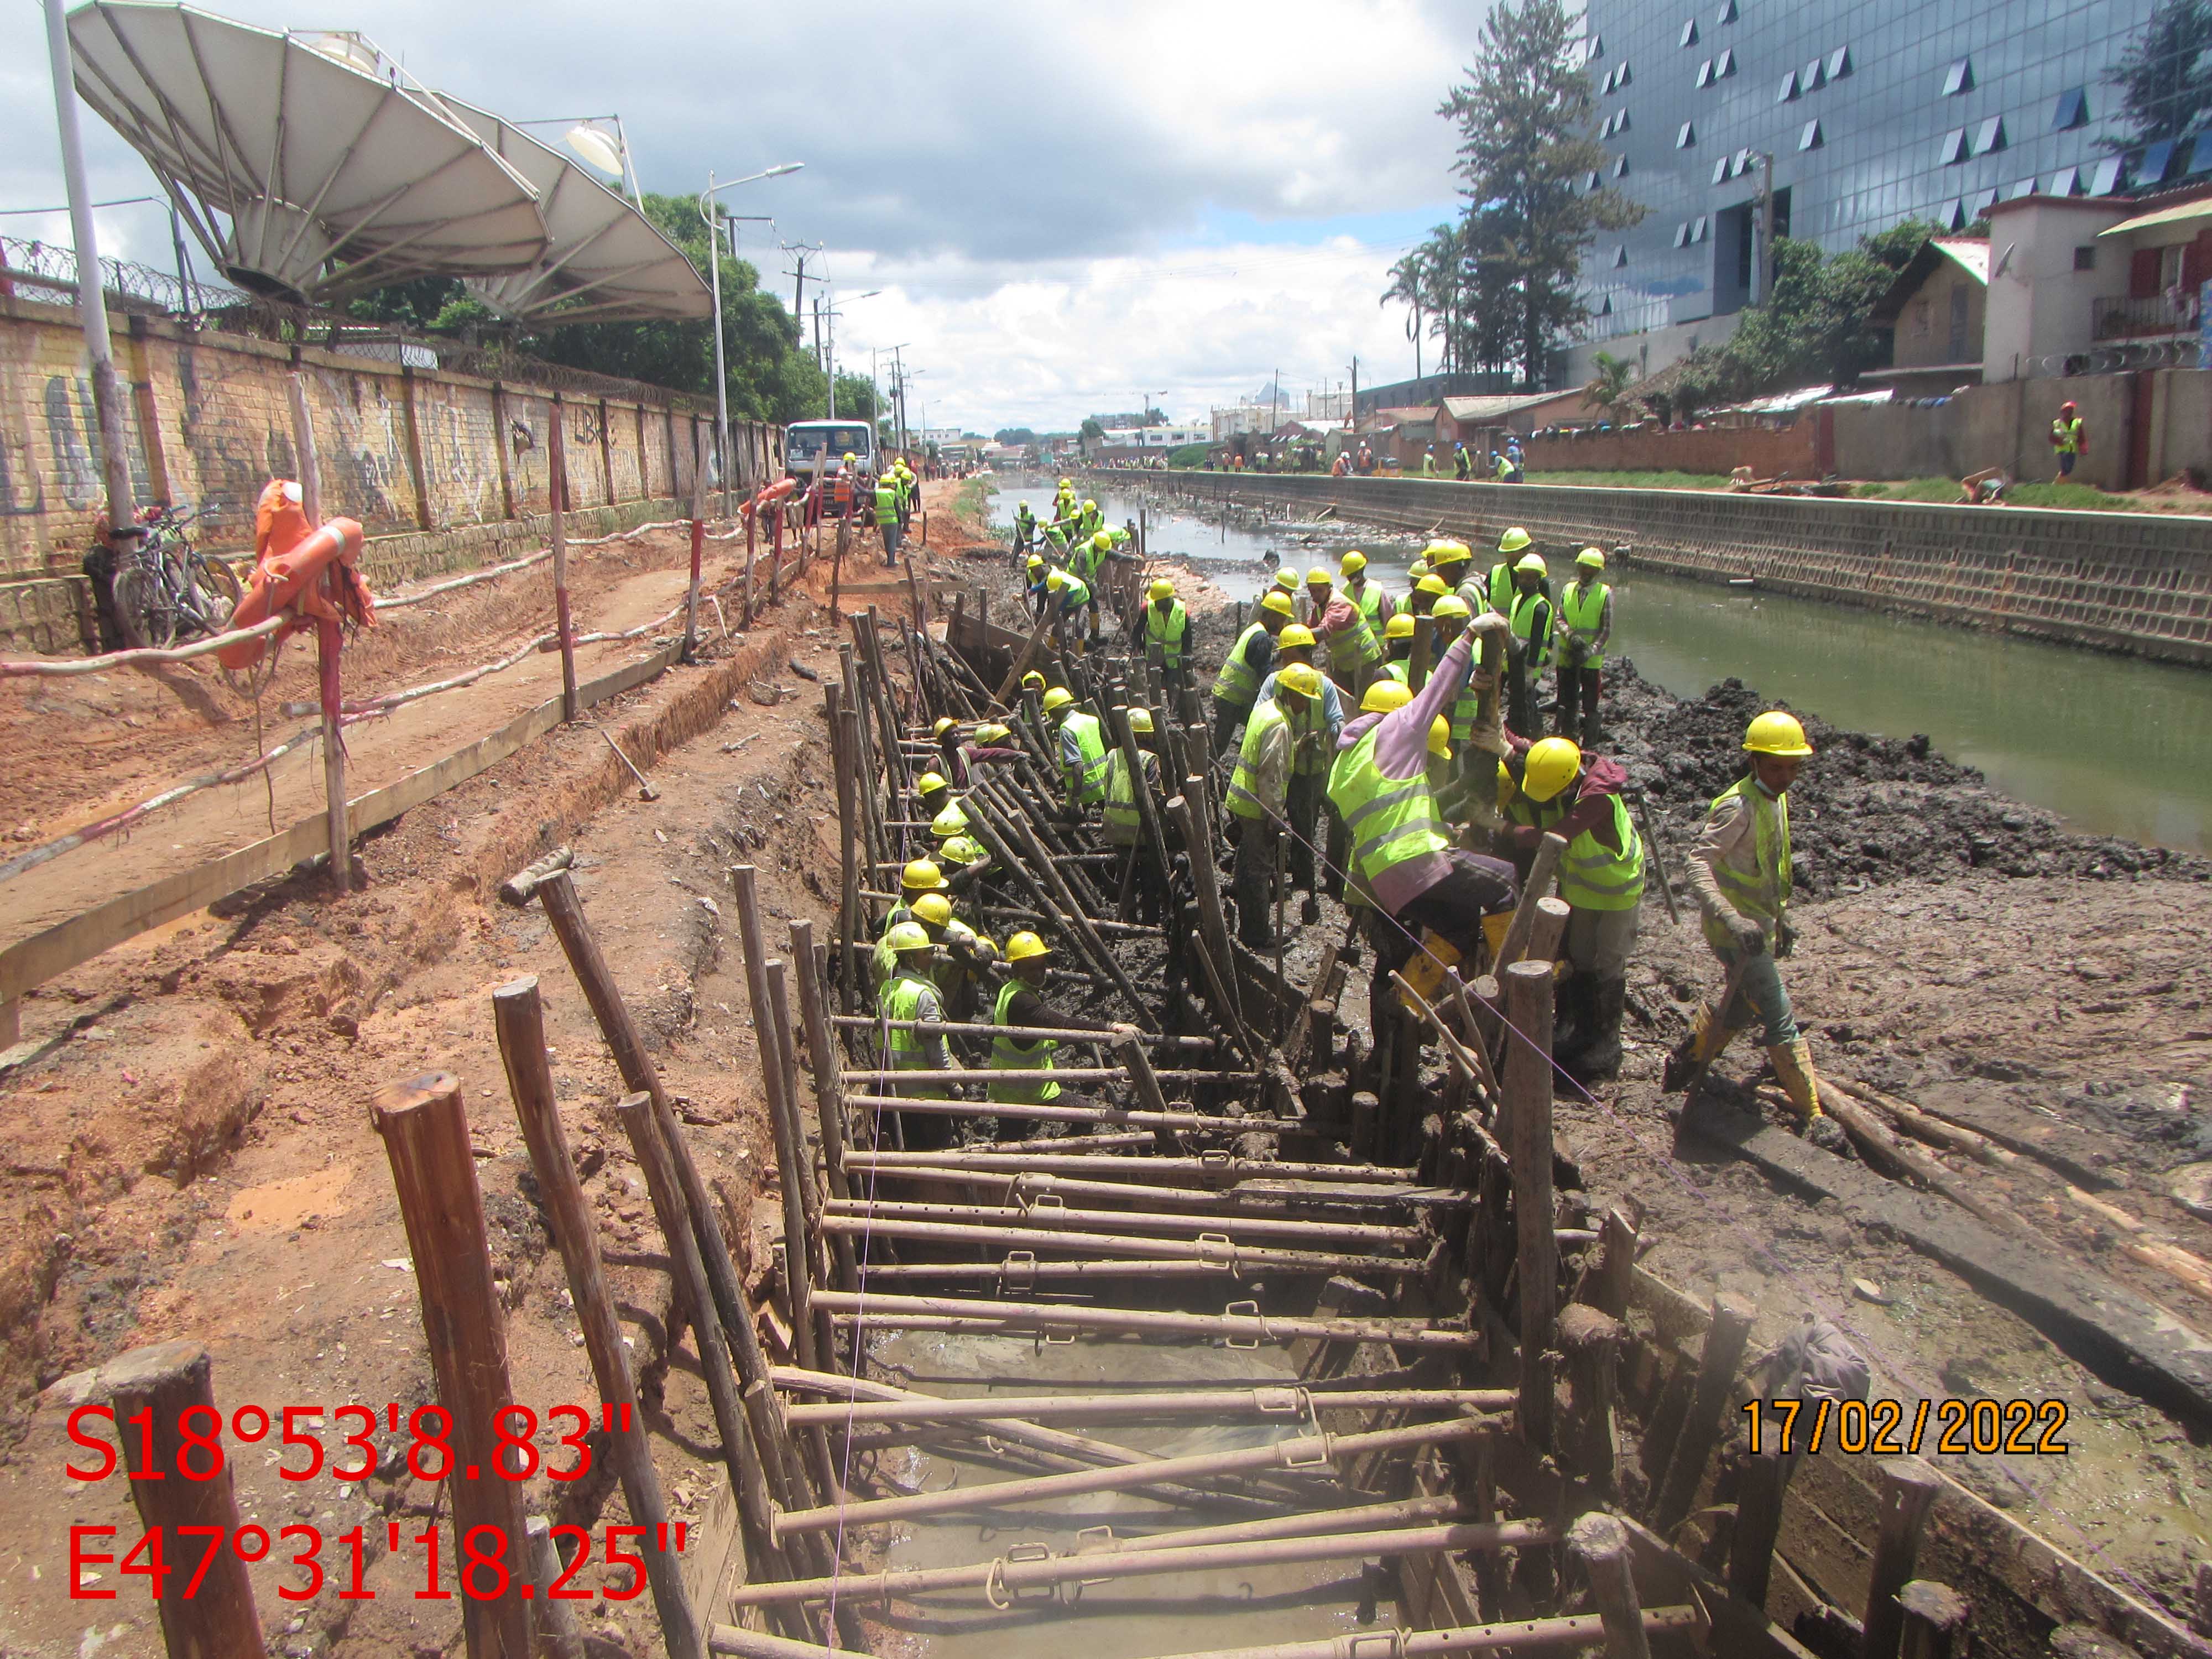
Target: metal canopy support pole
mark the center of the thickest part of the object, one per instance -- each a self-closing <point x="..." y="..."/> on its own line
<point x="91" y="302"/>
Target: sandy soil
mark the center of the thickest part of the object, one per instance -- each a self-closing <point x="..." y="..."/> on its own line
<point x="193" y="1157"/>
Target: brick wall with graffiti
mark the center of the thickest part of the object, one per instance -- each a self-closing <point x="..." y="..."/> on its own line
<point x="402" y="449"/>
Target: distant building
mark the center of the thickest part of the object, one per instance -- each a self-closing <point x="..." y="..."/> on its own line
<point x="1242" y="416"/>
<point x="1325" y="406"/>
<point x="1404" y="394"/>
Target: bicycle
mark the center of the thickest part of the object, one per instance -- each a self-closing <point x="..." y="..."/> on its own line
<point x="165" y="589"/>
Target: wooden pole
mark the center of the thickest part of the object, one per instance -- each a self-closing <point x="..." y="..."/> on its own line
<point x="1527" y="1086"/>
<point x="426" y="1136"/>
<point x="556" y="461"/>
<point x="1221" y="965"/>
<point x="752" y="519"/>
<point x="1701" y="1427"/>
<point x="782" y="1114"/>
<point x="166" y="1380"/>
<point x="814" y="1254"/>
<point x="1600" y="1542"/>
<point x="1591" y="1341"/>
<point x="1758" y="1522"/>
<point x="330" y="642"/>
<point x="845" y="751"/>
<point x="821" y="1050"/>
<point x="1908" y="1489"/>
<point x="519" y="1017"/>
<point x="1541" y="869"/>
<point x="559" y="1635"/>
<point x="698" y="554"/>
<point x="1934" y="1620"/>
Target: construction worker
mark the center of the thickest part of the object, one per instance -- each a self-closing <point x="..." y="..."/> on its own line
<point x="1399" y="845"/>
<point x="1452" y="616"/>
<point x="1257" y="796"/>
<point x="1497" y="595"/>
<point x="1462" y="463"/>
<point x="1429" y="462"/>
<point x="1038" y="571"/>
<point x="908" y="994"/>
<point x="1528" y="645"/>
<point x="1313" y="748"/>
<point x="933" y="791"/>
<point x="1018" y="1006"/>
<point x="1082" y="750"/>
<point x="992" y="749"/>
<point x="1561" y="790"/>
<point x="1352" y="645"/>
<point x="1066" y="597"/>
<point x="1450" y="561"/>
<point x="909" y="488"/>
<point x="951" y="824"/>
<point x="887" y="515"/>
<point x="1287" y="580"/>
<point x="2069" y="438"/>
<point x="1586" y="618"/>
<point x="1124" y="817"/>
<point x="1033" y="680"/>
<point x="1426" y="592"/>
<point x="1398" y="648"/>
<point x="1382" y="698"/>
<point x="1063" y="501"/>
<point x="1353" y="583"/>
<point x="1740" y="871"/>
<point x="1089" y="520"/>
<point x="1024" y="527"/>
<point x="1164" y="624"/>
<point x="1237" y="685"/>
<point x="965" y="861"/>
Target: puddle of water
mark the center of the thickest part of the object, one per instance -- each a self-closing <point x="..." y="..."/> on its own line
<point x="1125" y="1618"/>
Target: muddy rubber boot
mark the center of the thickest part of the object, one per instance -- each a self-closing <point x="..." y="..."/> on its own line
<point x="1598" y="1058"/>
<point x="1708" y="1040"/>
<point x="1793" y="1069"/>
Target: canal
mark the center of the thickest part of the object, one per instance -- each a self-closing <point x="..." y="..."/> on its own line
<point x="2116" y="746"/>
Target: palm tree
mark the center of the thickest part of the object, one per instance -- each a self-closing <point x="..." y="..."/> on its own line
<point x="1409" y="287"/>
<point x="1607" y="389"/>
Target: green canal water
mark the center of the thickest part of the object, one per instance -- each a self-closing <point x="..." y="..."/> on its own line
<point x="2115" y="745"/>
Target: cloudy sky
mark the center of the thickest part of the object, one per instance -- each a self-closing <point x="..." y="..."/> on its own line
<point x="1065" y="207"/>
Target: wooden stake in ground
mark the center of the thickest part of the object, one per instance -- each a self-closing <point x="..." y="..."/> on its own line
<point x="1716" y="1367"/>
<point x="1600" y="1542"/>
<point x="1541" y="869"/>
<point x="521" y="1020"/>
<point x="329" y="642"/>
<point x="426" y="1136"/>
<point x="166" y="1380"/>
<point x="557" y="490"/>
<point x="1908" y="1489"/>
<point x="1757" y="1522"/>
<point x="1527" y="1086"/>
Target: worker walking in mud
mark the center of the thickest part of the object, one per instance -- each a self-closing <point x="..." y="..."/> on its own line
<point x="1024" y="528"/>
<point x="1237" y="687"/>
<point x="1528" y="643"/>
<point x="1258" y="796"/>
<point x="1740" y="871"/>
<point x="1586" y="624"/>
<point x="1163" y="626"/>
<point x="1082" y="750"/>
<point x="888" y="523"/>
<point x="1029" y="965"/>
<point x="909" y="996"/>
<point x="1559" y="789"/>
<point x="1146" y="882"/>
<point x="1313" y="749"/>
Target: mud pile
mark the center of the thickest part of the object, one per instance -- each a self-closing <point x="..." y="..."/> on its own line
<point x="1867" y="810"/>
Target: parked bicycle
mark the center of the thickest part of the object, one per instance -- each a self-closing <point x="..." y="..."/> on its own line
<point x="166" y="590"/>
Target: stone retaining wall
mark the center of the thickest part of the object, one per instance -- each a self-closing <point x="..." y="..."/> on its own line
<point x="2138" y="583"/>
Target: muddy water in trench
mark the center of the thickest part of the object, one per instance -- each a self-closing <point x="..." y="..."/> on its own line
<point x="2117" y="746"/>
<point x="1124" y="1618"/>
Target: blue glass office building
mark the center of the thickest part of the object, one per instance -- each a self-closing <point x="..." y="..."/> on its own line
<point x="1873" y="111"/>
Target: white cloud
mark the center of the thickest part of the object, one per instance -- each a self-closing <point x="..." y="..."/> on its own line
<point x="1067" y="203"/>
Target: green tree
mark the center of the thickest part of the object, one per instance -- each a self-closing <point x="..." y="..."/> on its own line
<point x="2165" y="77"/>
<point x="1014" y="434"/>
<point x="1409" y="287"/>
<point x="1524" y="116"/>
<point x="1092" y="430"/>
<point x="1608" y="390"/>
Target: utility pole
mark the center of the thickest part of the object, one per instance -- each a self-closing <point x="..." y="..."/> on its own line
<point x="799" y="251"/>
<point x="1352" y="420"/>
<point x="1763" y="249"/>
<point x="91" y="302"/>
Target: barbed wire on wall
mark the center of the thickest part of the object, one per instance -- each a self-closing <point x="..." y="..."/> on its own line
<point x="2181" y="352"/>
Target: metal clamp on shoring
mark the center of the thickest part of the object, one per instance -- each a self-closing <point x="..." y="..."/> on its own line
<point x="1214" y="1163"/>
<point x="1029" y="1551"/>
<point x="1244" y="1310"/>
<point x="1018" y="1271"/>
<point x="1045" y="1201"/>
<point x="1277" y="1401"/>
<point x="1217" y="1250"/>
<point x="1299" y="1460"/>
<point x="1091" y="1540"/>
<point x="993" y="1589"/>
<point x="1393" y="1640"/>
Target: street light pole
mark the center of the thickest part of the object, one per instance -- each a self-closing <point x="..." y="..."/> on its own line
<point x="706" y="211"/>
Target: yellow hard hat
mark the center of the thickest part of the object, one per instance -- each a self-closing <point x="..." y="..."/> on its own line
<point x="1059" y="697"/>
<point x="1036" y="561"/>
<point x="848" y="455"/>
<point x="1513" y="540"/>
<point x="934" y="909"/>
<point x="1592" y="557"/>
<point x="1300" y="677"/>
<point x="1553" y="764"/>
<point x="1287" y="578"/>
<point x="945" y="724"/>
<point x="1140" y="720"/>
<point x="1415" y="571"/>
<point x="1293" y="636"/>
<point x="1319" y="577"/>
<point x="1103" y="541"/>
<point x="1440" y="738"/>
<point x="1057" y="581"/>
<point x="1090" y="506"/>
<point x="1432" y="584"/>
<point x="1450" y="606"/>
<point x="949" y="823"/>
<point x="921" y="877"/>
<point x="1032" y="681"/>
<point x="1351" y="563"/>
<point x="930" y="782"/>
<point x="1532" y="563"/>
<point x="1161" y="589"/>
<point x="1021" y="946"/>
<point x="993" y="733"/>
<point x="1384" y="695"/>
<point x="1277" y="601"/>
<point x="907" y="936"/>
<point x="1775" y="733"/>
<point x="1400" y="627"/>
<point x="1444" y="553"/>
<point x="962" y="849"/>
<point x="1067" y="484"/>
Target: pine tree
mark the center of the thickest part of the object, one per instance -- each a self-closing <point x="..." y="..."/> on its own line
<point x="1525" y="149"/>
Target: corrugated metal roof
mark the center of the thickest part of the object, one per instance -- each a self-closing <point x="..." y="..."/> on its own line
<point x="1482" y="408"/>
<point x="2201" y="208"/>
<point x="1972" y="253"/>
